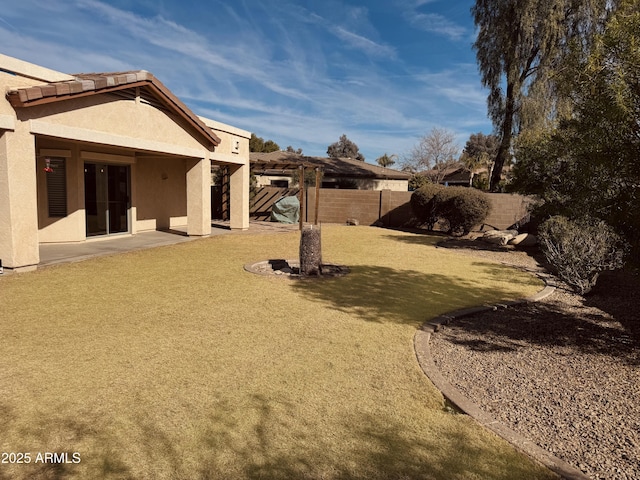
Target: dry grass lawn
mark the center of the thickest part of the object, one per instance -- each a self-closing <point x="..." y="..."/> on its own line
<point x="176" y="363"/>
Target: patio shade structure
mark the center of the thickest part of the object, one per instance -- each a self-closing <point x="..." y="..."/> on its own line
<point x="266" y="164"/>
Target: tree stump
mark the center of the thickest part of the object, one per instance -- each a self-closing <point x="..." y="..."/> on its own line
<point x="310" y="251"/>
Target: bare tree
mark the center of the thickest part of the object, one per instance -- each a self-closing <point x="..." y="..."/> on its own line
<point x="435" y="154"/>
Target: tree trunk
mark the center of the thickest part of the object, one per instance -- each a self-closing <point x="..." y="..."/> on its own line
<point x="505" y="143"/>
<point x="310" y="251"/>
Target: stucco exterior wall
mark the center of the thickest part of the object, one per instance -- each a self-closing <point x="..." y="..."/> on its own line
<point x="234" y="152"/>
<point x="161" y="193"/>
<point x="121" y="119"/>
<point x="72" y="227"/>
<point x="18" y="198"/>
<point x="158" y="183"/>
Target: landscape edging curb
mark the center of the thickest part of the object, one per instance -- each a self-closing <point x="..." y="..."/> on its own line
<point x="422" y="349"/>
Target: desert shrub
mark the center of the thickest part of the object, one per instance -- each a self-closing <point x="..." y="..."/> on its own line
<point x="423" y="206"/>
<point x="580" y="250"/>
<point x="464" y="209"/>
<point x="460" y="208"/>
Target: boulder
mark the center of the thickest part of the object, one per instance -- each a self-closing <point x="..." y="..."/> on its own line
<point x="524" y="240"/>
<point x="499" y="237"/>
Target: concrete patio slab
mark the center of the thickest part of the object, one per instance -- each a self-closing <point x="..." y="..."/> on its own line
<point x="55" y="253"/>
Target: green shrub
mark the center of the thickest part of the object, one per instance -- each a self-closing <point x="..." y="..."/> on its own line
<point x="463" y="208"/>
<point x="422" y="204"/>
<point x="460" y="208"/>
<point x="580" y="250"/>
<point x="416" y="181"/>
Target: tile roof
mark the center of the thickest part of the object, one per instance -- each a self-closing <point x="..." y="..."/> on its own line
<point x="85" y="84"/>
<point x="332" y="167"/>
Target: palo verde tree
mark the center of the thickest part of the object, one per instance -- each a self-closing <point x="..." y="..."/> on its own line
<point x="518" y="44"/>
<point x="344" y="148"/>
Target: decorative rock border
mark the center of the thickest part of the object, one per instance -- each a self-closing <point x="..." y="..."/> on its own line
<point x="421" y="344"/>
<point x="291" y="269"/>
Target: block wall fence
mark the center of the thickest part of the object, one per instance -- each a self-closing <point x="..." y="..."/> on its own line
<point x="385" y="207"/>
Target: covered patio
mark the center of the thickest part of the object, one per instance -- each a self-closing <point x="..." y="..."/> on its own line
<point x="91" y="156"/>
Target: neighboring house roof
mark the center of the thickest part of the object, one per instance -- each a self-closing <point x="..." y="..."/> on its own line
<point x="86" y="84"/>
<point x="452" y="176"/>
<point x="458" y="176"/>
<point x="276" y="162"/>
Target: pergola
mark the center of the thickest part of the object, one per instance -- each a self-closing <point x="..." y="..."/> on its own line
<point x="265" y="165"/>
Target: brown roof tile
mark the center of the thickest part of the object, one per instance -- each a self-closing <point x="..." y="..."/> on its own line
<point x="34" y="93"/>
<point x="48" y="90"/>
<point x="96" y="83"/>
<point x="61" y="89"/>
<point x="75" y="87"/>
<point x="332" y="167"/>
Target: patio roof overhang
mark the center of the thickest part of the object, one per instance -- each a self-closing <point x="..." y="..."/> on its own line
<point x="88" y="84"/>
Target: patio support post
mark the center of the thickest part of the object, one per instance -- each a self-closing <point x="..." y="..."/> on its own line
<point x="19" y="247"/>
<point x="302" y="199"/>
<point x="199" y="197"/>
<point x="318" y="175"/>
<point x="239" y="196"/>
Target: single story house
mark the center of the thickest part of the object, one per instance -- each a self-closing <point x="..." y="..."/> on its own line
<point x="276" y="169"/>
<point x="453" y="176"/>
<point x="102" y="154"/>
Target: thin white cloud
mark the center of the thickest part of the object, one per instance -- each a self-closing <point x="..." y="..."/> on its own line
<point x="298" y="77"/>
<point x="362" y="43"/>
<point x="430" y="21"/>
<point x="344" y="24"/>
<point x="457" y="84"/>
<point x="436" y="23"/>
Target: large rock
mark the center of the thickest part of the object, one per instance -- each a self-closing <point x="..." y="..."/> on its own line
<point x="499" y="237"/>
<point x="524" y="240"/>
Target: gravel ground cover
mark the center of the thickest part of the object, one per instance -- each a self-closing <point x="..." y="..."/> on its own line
<point x="563" y="372"/>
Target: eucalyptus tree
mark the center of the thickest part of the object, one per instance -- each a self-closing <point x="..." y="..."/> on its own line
<point x="520" y="44"/>
<point x="587" y="165"/>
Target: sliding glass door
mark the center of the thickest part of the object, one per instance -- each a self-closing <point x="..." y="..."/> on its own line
<point x="106" y="195"/>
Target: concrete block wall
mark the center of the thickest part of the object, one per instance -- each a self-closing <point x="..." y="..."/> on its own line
<point x="507" y="209"/>
<point x="390" y="208"/>
<point x="337" y="206"/>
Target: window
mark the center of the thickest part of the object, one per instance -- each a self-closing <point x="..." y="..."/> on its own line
<point x="280" y="183"/>
<point x="56" y="173"/>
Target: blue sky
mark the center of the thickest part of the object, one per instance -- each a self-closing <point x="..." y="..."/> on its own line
<point x="301" y="73"/>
